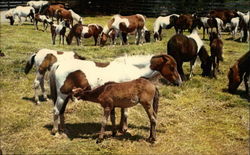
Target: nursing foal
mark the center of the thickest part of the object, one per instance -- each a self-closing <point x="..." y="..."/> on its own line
<point x="89" y="75"/>
<point x="112" y="95"/>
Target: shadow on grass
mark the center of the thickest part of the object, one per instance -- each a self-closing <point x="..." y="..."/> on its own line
<point x="240" y="93"/>
<point x="91" y="130"/>
<point x="32" y="99"/>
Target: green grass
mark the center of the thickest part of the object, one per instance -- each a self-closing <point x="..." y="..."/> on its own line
<point x="199" y="117"/>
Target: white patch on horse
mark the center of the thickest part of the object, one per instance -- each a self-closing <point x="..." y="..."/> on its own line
<point x="119" y="20"/>
<point x="85" y="29"/>
<point x="194" y="35"/>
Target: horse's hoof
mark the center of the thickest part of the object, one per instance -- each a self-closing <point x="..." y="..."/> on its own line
<point x="38" y="103"/>
<point x="151" y="140"/>
<point x="114" y="133"/>
<point x="54" y="131"/>
<point x="99" y="140"/>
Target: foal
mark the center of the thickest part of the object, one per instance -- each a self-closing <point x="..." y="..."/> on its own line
<point x="59" y="30"/>
<point x="216" y="46"/>
<point x="111" y="95"/>
<point x="43" y="19"/>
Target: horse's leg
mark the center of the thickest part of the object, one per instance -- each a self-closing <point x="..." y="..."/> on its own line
<point x="139" y="36"/>
<point x="62" y="118"/>
<point x="112" y="117"/>
<point x="104" y="121"/>
<point x="42" y="87"/>
<point x="37" y="82"/>
<point x="180" y="70"/>
<point x="95" y="39"/>
<point x="191" y="67"/>
<point x="20" y="20"/>
<point x="123" y="122"/>
<point x="120" y="35"/>
<point x="63" y="39"/>
<point x="60" y="38"/>
<point x="160" y="31"/>
<point x="247" y="83"/>
<point x="214" y="66"/>
<point x="152" y="118"/>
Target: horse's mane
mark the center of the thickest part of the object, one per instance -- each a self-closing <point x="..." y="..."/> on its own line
<point x="244" y="61"/>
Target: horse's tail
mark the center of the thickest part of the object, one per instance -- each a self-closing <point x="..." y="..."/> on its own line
<point x="30" y="63"/>
<point x="52" y="81"/>
<point x="156" y="100"/>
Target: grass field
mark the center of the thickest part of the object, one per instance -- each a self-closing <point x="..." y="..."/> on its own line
<point x="199" y="117"/>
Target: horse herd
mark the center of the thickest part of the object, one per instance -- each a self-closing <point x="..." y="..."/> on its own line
<point x="71" y="75"/>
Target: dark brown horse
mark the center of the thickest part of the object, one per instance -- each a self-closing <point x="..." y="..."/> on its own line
<point x="51" y="9"/>
<point x="112" y="95"/>
<point x="187" y="48"/>
<point x="185" y="21"/>
<point x="216" y="47"/>
<point x="225" y="15"/>
<point x="62" y="13"/>
<point x="86" y="31"/>
<point x="239" y="71"/>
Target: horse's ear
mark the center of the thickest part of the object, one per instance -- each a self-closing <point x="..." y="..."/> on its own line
<point x="164" y="58"/>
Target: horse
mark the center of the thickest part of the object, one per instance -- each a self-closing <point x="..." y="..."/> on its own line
<point x="163" y="23"/>
<point x="112" y="95"/>
<point x="124" y="24"/>
<point x="239" y="71"/>
<point x="187" y="48"/>
<point x="25" y="12"/>
<point x="49" y="10"/>
<point x="76" y="17"/>
<point x="185" y="21"/>
<point x="59" y="30"/>
<point x="43" y="19"/>
<point x="62" y="13"/>
<point x="89" y="75"/>
<point x="43" y="60"/>
<point x="225" y="15"/>
<point x="84" y="31"/>
<point x="244" y="23"/>
<point x="9" y="15"/>
<point x="216" y="47"/>
<point x="37" y="5"/>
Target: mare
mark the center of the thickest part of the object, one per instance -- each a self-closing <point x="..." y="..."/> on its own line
<point x="84" y="31"/>
<point x="186" y="49"/>
<point x="89" y="75"/>
<point x="112" y="95"/>
<point x="124" y="24"/>
<point x="166" y="22"/>
<point x="59" y="30"/>
<point x="216" y="47"/>
<point x="23" y="11"/>
<point x="43" y="60"/>
<point x="37" y="5"/>
<point x="49" y="10"/>
<point x="239" y="71"/>
<point x="43" y="19"/>
<point x="185" y="21"/>
<point x="63" y="14"/>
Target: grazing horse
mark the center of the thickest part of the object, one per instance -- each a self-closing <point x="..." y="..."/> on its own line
<point x="43" y="60"/>
<point x="225" y="15"/>
<point x="37" y="5"/>
<point x="25" y="12"/>
<point x="76" y="17"/>
<point x="239" y="71"/>
<point x="50" y="10"/>
<point x="185" y="21"/>
<point x="163" y="23"/>
<point x="59" y="30"/>
<point x="89" y="75"/>
<point x="112" y="95"/>
<point x="84" y="31"/>
<point x="9" y="15"/>
<point x="187" y="48"/>
<point x="216" y="47"/>
<point x="43" y="19"/>
<point x="62" y="13"/>
<point x="124" y="24"/>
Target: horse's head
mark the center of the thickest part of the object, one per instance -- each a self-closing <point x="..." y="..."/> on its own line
<point x="103" y="38"/>
<point x="147" y="36"/>
<point x="11" y="20"/>
<point x="212" y="36"/>
<point x="233" y="78"/>
<point x="206" y="62"/>
<point x="196" y="23"/>
<point x="167" y="66"/>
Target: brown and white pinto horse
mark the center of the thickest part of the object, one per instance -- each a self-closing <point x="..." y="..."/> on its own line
<point x="63" y="14"/>
<point x="84" y="31"/>
<point x="124" y="24"/>
<point x="187" y="48"/>
<point x="239" y="71"/>
<point x="43" y="60"/>
<point x="88" y="75"/>
<point x="216" y="47"/>
<point x="112" y="95"/>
